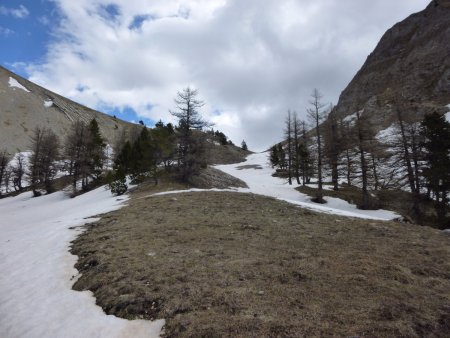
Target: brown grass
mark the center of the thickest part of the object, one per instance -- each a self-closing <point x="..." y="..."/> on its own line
<point x="228" y="264"/>
<point x="225" y="154"/>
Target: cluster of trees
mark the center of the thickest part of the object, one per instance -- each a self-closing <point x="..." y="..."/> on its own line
<point x="179" y="149"/>
<point x="223" y="139"/>
<point x="410" y="155"/>
<point x="84" y="154"/>
<point x="81" y="156"/>
<point x="293" y="156"/>
<point x="140" y="158"/>
<point x="143" y="153"/>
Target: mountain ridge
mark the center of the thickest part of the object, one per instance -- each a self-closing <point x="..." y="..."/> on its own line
<point x="26" y="106"/>
<point x="410" y="66"/>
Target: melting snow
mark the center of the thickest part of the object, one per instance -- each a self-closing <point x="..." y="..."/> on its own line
<point x="262" y="182"/>
<point x="350" y="118"/>
<point x="48" y="104"/>
<point x="15" y="84"/>
<point x="36" y="299"/>
<point x="387" y="135"/>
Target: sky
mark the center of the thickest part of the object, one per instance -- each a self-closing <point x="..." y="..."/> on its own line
<point x="250" y="60"/>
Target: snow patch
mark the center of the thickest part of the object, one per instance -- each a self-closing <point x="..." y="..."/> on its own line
<point x="13" y="83"/>
<point x="262" y="182"/>
<point x="48" y="104"/>
<point x="447" y="116"/>
<point x="350" y="118"/>
<point x="38" y="271"/>
<point x="387" y="135"/>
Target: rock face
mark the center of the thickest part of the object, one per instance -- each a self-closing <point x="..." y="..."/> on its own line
<point x="25" y="106"/>
<point x="410" y="67"/>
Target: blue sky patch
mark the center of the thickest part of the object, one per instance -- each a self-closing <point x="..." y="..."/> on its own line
<point x="138" y="21"/>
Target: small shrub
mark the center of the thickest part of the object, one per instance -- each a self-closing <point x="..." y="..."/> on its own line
<point x="119" y="186"/>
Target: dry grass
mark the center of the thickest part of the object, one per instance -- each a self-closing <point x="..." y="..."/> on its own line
<point x="228" y="264"/>
<point x="225" y="154"/>
<point x="212" y="178"/>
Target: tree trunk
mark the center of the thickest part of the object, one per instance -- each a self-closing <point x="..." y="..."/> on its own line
<point x="365" y="195"/>
<point x="375" y="174"/>
<point x="347" y="155"/>
<point x="406" y="155"/>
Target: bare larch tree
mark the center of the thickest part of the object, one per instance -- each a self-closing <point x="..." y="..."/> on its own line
<point x="189" y="120"/>
<point x="316" y="116"/>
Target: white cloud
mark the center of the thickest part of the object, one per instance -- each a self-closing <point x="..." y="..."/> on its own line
<point x="5" y="31"/>
<point x="44" y="20"/>
<point x="21" y="12"/>
<point x="251" y="60"/>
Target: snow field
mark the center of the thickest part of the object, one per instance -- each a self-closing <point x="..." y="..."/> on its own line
<point x="261" y="182"/>
<point x="36" y="299"/>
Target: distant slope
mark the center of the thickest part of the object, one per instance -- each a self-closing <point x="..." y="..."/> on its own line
<point x="25" y="106"/>
<point x="409" y="67"/>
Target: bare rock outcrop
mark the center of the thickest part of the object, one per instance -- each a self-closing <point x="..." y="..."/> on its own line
<point x="410" y="67"/>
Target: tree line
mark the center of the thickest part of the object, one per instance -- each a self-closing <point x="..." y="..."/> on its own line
<point x="410" y="155"/>
<point x="144" y="153"/>
<point x="81" y="156"/>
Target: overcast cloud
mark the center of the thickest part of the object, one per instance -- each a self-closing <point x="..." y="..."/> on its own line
<point x="250" y="59"/>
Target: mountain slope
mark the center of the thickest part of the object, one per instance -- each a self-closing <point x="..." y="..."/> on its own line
<point x="410" y="67"/>
<point x="25" y="106"/>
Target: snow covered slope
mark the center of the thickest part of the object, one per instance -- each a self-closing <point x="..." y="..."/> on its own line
<point x="260" y="181"/>
<point x="36" y="299"/>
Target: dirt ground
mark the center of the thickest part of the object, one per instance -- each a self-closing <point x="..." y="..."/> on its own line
<point x="217" y="264"/>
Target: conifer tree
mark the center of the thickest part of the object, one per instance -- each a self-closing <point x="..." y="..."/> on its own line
<point x="244" y="145"/>
<point x="317" y="116"/>
<point x="282" y="163"/>
<point x="274" y="156"/>
<point x="164" y="143"/>
<point x="18" y="172"/>
<point x="361" y="130"/>
<point x="95" y="147"/>
<point x="190" y="145"/>
<point x="42" y="166"/>
<point x="436" y="133"/>
<point x="305" y="162"/>
<point x="4" y="160"/>
<point x="84" y="150"/>
<point x="289" y="144"/>
<point x="296" y="140"/>
<point x="332" y="147"/>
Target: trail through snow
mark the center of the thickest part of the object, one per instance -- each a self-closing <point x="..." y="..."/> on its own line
<point x="261" y="182"/>
<point x="36" y="299"/>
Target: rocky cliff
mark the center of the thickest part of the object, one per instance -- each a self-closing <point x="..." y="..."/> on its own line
<point x="410" y="67"/>
<point x="25" y="106"/>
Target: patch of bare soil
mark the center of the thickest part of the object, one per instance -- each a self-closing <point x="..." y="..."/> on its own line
<point x="249" y="166"/>
<point x="225" y="154"/>
<point x="240" y="265"/>
<point x="209" y="178"/>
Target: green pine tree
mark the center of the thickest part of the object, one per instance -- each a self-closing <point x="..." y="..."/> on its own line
<point x="436" y="133"/>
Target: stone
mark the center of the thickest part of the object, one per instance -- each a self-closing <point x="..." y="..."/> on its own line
<point x="410" y="67"/>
